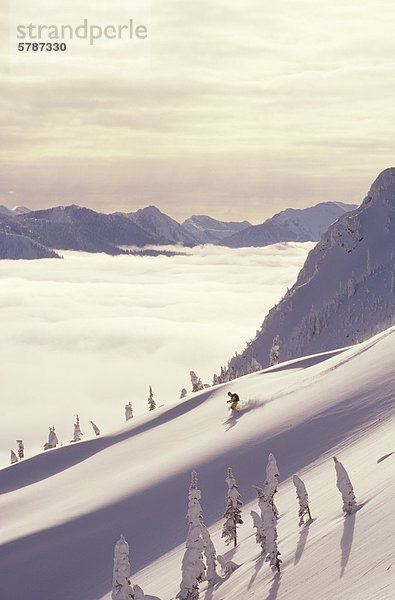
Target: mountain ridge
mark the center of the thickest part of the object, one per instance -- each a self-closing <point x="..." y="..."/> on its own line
<point x="344" y="293"/>
<point x="291" y="225"/>
<point x="79" y="228"/>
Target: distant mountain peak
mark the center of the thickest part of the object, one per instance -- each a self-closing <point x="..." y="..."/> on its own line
<point x="291" y="225"/>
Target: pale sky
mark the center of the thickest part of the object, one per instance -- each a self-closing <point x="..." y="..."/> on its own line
<point x="233" y="109"/>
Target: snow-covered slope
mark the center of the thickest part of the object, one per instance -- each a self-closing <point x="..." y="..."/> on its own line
<point x="5" y="211"/>
<point x="17" y="210"/>
<point x="345" y="291"/>
<point x="164" y="229"/>
<point x="207" y="230"/>
<point x="297" y="225"/>
<point x="21" y="210"/>
<point x="62" y="511"/>
<point x="15" y="246"/>
<point x="77" y="228"/>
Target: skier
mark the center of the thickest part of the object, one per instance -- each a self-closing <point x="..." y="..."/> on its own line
<point x="233" y="400"/>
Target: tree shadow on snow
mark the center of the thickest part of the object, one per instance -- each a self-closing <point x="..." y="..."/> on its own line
<point x="209" y="593"/>
<point x="379" y="460"/>
<point x="273" y="592"/>
<point x="347" y="540"/>
<point x="257" y="568"/>
<point x="303" y="534"/>
<point x="230" y="553"/>
<point x="348" y="536"/>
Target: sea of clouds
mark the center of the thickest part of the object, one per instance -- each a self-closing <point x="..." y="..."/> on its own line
<point x="89" y="333"/>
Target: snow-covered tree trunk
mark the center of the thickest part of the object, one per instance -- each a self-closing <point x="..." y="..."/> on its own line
<point x="302" y="496"/>
<point x="271" y="483"/>
<point x="13" y="458"/>
<point x="121" y="588"/>
<point x="77" y="431"/>
<point x="151" y="401"/>
<point x="233" y="510"/>
<point x="193" y="568"/>
<point x="53" y="438"/>
<point x="274" y="358"/>
<point x="128" y="411"/>
<point x="196" y="382"/>
<point x="269" y="522"/>
<point x="345" y="488"/>
<point x="210" y="555"/>
<point x="259" y="534"/>
<point x="95" y="428"/>
<point x="192" y="565"/>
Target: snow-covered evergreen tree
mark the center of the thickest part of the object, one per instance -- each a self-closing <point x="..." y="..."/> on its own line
<point x="259" y="534"/>
<point x="128" y="411"/>
<point x="221" y="378"/>
<point x="151" y="401"/>
<point x="184" y="392"/>
<point x="196" y="382"/>
<point x="121" y="588"/>
<point x="52" y="439"/>
<point x="210" y="555"/>
<point x="233" y="510"/>
<point x="193" y="568"/>
<point x="271" y="483"/>
<point x="21" y="449"/>
<point x="345" y="488"/>
<point x="13" y="458"/>
<point x="269" y="522"/>
<point x="274" y="358"/>
<point x="95" y="428"/>
<point x="77" y="431"/>
<point x="302" y="496"/>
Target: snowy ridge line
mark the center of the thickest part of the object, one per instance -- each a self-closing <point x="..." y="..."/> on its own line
<point x="344" y="292"/>
<point x="70" y="455"/>
<point x="365" y="347"/>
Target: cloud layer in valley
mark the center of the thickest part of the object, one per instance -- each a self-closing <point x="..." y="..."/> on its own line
<point x="89" y="333"/>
